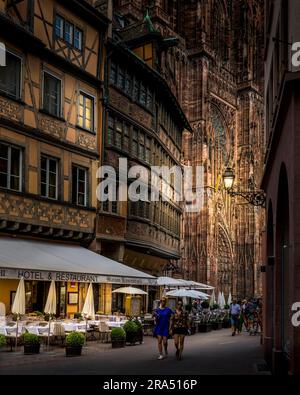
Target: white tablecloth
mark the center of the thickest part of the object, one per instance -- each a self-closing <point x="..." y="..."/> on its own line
<point x="115" y="324"/>
<point x="70" y="326"/>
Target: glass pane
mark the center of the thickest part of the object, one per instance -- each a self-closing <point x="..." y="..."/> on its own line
<point x="3" y="151"/>
<point x="143" y="95"/>
<point x="113" y="73"/>
<point x="88" y="103"/>
<point x="81" y="174"/>
<point x="3" y="165"/>
<point x="88" y="113"/>
<point x="134" y="148"/>
<point x="43" y="189"/>
<point x="88" y="124"/>
<point x="43" y="176"/>
<point x="121" y="79"/>
<point x="78" y="39"/>
<point x="52" y="87"/>
<point x="69" y="33"/>
<point x="59" y="26"/>
<point x="118" y="140"/>
<point x="15" y="162"/>
<point x="52" y="192"/>
<point x="43" y="163"/>
<point x="81" y="199"/>
<point x="52" y="179"/>
<point x="110" y="136"/>
<point x="80" y="121"/>
<point x="52" y="165"/>
<point x="10" y="75"/>
<point x="81" y="187"/>
<point x="15" y="183"/>
<point x="3" y="180"/>
<point x="126" y="143"/>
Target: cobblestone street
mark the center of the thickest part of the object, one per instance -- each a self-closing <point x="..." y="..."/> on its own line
<point x="211" y="353"/>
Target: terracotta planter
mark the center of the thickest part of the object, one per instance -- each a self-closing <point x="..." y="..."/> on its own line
<point x="73" y="351"/>
<point x="30" y="349"/>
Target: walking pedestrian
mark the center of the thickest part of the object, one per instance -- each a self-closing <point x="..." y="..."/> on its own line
<point x="235" y="311"/>
<point x="162" y="317"/>
<point x="180" y="327"/>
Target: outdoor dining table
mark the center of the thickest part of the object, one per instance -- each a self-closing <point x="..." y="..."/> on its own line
<point x="115" y="324"/>
<point x="72" y="326"/>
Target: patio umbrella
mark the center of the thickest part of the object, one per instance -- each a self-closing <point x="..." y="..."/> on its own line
<point x="229" y="300"/>
<point x="18" y="306"/>
<point x="222" y="300"/>
<point x="219" y="298"/>
<point x="212" y="299"/>
<point x="171" y="282"/>
<point x="201" y="294"/>
<point x="130" y="291"/>
<point x="88" y="310"/>
<point x="197" y="285"/>
<point x="50" y="307"/>
<point x="181" y="293"/>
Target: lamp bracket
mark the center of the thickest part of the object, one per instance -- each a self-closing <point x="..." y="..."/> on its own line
<point x="256" y="198"/>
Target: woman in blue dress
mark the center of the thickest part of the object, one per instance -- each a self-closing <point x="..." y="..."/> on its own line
<point x="162" y="316"/>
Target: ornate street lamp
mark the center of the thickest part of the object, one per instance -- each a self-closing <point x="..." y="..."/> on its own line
<point x="254" y="197"/>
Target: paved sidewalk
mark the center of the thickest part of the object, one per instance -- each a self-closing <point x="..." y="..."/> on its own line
<point x="216" y="352"/>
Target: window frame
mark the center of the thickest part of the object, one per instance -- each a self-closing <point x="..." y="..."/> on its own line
<point x="63" y="26"/>
<point x="93" y="123"/>
<point x="79" y="167"/>
<point x="74" y="27"/>
<point x="52" y="75"/>
<point x="19" y="96"/>
<point x="48" y="158"/>
<point x="8" y="174"/>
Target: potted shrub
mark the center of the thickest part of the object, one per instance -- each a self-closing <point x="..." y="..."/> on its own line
<point x="140" y="333"/>
<point x="2" y="341"/>
<point x="131" y="331"/>
<point x="77" y="316"/>
<point x="118" y="338"/>
<point x="205" y="324"/>
<point x="31" y="344"/>
<point x="74" y="343"/>
<point x="215" y="306"/>
<point x="205" y="304"/>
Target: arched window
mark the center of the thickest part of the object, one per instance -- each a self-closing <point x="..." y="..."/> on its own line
<point x="219" y="31"/>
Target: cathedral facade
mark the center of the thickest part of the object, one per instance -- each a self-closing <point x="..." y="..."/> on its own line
<point x="215" y="70"/>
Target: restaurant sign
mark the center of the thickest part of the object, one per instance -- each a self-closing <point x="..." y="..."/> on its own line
<point x="38" y="275"/>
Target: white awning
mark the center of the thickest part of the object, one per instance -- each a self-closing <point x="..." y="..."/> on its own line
<point x="45" y="261"/>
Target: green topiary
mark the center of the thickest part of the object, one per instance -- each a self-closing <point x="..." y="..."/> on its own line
<point x="205" y="304"/>
<point x="118" y="334"/>
<point x="30" y="338"/>
<point x="78" y="315"/>
<point x="130" y="327"/>
<point x="226" y="307"/>
<point x="215" y="306"/>
<point x="75" y="339"/>
<point x="2" y="340"/>
<point x="138" y="324"/>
